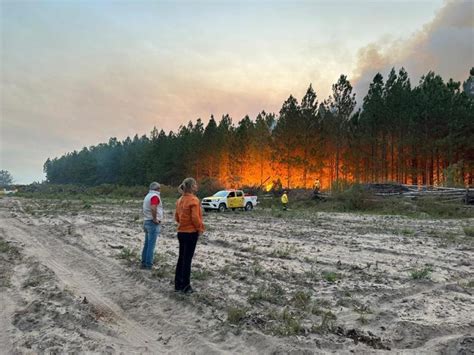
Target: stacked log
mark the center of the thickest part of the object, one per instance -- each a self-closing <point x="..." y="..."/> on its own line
<point x="386" y="189"/>
<point x="446" y="194"/>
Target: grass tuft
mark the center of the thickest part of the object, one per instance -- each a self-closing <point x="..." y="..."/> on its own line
<point x="235" y="315"/>
<point x="469" y="231"/>
<point x="128" y="254"/>
<point x="301" y="299"/>
<point x="422" y="273"/>
<point x="288" y="324"/>
<point x="273" y="293"/>
<point x="331" y="276"/>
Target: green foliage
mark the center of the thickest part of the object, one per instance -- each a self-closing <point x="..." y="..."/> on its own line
<point x="163" y="271"/>
<point x="235" y="315"/>
<point x="273" y="293"/>
<point x="401" y="134"/>
<point x="201" y="274"/>
<point x="441" y="209"/>
<point x="330" y="276"/>
<point x="469" y="231"/>
<point x="362" y="308"/>
<point x="6" y="179"/>
<point x="71" y="191"/>
<point x="288" y="324"/>
<point x="284" y="253"/>
<point x="128" y="254"/>
<point x="355" y="198"/>
<point x="256" y="269"/>
<point x="341" y="186"/>
<point x="328" y="320"/>
<point x="421" y="273"/>
<point x="361" y="200"/>
<point x="469" y="284"/>
<point x="7" y="248"/>
<point x="407" y="232"/>
<point x="454" y="175"/>
<point x="301" y="299"/>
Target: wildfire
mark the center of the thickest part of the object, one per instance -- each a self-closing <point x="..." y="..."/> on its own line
<point x="268" y="187"/>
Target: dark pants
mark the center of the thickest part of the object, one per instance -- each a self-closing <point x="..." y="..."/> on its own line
<point x="187" y="245"/>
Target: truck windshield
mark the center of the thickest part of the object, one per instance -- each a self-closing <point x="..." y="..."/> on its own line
<point x="221" y="194"/>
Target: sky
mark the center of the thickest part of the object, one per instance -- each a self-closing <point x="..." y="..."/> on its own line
<point x="75" y="73"/>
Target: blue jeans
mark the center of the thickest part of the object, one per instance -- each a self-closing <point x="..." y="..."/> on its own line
<point x="152" y="232"/>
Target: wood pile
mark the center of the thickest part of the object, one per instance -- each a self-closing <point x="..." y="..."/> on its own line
<point x="386" y="189"/>
<point x="445" y="194"/>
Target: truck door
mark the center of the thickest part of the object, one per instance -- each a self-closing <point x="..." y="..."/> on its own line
<point x="239" y="199"/>
<point x="231" y="199"/>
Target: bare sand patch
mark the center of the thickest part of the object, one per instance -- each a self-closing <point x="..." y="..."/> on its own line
<point x="267" y="283"/>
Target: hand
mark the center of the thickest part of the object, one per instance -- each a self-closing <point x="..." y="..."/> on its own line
<point x="156" y="221"/>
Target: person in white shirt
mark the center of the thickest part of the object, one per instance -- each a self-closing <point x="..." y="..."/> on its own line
<point x="153" y="215"/>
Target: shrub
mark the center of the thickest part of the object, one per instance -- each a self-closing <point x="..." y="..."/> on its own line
<point x="256" y="269"/>
<point x="355" y="198"/>
<point x="340" y="185"/>
<point x="301" y="299"/>
<point x="328" y="321"/>
<point x="201" y="274"/>
<point x="273" y="294"/>
<point x="128" y="254"/>
<point x="423" y="273"/>
<point x="469" y="231"/>
<point x="330" y="276"/>
<point x="406" y="231"/>
<point x="235" y="315"/>
<point x="7" y="248"/>
<point x="163" y="271"/>
<point x="284" y="253"/>
<point x="65" y="191"/>
<point x="290" y="324"/>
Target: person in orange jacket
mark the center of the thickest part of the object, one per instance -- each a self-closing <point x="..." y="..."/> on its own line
<point x="188" y="215"/>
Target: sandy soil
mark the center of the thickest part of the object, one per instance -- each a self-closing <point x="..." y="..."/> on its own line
<point x="267" y="281"/>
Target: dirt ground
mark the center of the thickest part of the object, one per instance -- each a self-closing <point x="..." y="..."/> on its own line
<point x="267" y="282"/>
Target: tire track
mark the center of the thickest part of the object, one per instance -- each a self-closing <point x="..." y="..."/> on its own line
<point x="109" y="287"/>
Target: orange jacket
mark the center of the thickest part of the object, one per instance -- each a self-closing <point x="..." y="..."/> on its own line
<point x="188" y="214"/>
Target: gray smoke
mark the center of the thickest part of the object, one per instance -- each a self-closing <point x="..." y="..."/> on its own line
<point x="445" y="46"/>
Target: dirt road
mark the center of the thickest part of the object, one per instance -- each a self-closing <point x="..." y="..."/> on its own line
<point x="267" y="283"/>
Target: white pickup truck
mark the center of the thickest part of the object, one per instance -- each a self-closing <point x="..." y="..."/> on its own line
<point x="226" y="199"/>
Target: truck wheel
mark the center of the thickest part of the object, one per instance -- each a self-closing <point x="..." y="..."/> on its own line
<point x="248" y="206"/>
<point x="222" y="207"/>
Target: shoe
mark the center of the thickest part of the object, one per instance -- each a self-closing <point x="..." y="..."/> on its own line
<point x="144" y="267"/>
<point x="188" y="289"/>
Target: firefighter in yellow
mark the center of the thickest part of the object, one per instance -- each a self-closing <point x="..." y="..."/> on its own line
<point x="316" y="186"/>
<point x="284" y="200"/>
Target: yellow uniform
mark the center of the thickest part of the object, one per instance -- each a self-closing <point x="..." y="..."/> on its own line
<point x="284" y="200"/>
<point x="317" y="185"/>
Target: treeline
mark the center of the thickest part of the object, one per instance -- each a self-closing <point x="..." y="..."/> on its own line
<point x="420" y="135"/>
